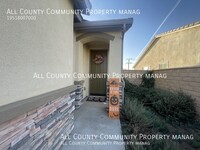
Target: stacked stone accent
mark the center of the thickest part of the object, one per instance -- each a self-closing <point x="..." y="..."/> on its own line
<point x="40" y="128"/>
<point x="79" y="96"/>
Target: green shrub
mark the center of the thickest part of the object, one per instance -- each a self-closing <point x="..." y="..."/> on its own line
<point x="177" y="106"/>
<point x="142" y="120"/>
<point x="173" y="106"/>
<point x="147" y="80"/>
<point x="195" y="143"/>
<point x="129" y="87"/>
<point x="157" y="145"/>
<point x="135" y="91"/>
<point x="136" y="113"/>
<point x="164" y="145"/>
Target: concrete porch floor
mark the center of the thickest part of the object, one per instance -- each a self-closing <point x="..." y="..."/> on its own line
<point x="92" y="119"/>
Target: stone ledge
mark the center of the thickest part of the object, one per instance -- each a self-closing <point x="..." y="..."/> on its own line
<point x="79" y="82"/>
<point x="18" y="108"/>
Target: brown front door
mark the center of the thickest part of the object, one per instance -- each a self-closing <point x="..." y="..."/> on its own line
<point x="98" y="65"/>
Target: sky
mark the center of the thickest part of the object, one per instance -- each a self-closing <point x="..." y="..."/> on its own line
<point x="156" y="16"/>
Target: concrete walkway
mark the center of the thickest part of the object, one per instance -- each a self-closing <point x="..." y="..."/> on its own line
<point x="93" y="128"/>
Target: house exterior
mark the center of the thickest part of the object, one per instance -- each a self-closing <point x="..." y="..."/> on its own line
<point x="173" y="49"/>
<point x="41" y="61"/>
<point x="98" y="37"/>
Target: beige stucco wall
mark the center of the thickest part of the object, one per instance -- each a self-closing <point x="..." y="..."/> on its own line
<point x="78" y="57"/>
<point x="81" y="63"/>
<point x="86" y="69"/>
<point x="179" y="49"/>
<point x="28" y="47"/>
<point x="115" y="54"/>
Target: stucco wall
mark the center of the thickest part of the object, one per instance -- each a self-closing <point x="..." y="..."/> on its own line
<point x="28" y="47"/>
<point x="115" y="54"/>
<point x="179" y="49"/>
<point x="81" y="62"/>
<point x="86" y="69"/>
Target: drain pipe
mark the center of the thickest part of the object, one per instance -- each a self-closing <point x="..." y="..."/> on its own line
<point x="122" y="49"/>
<point x="122" y="54"/>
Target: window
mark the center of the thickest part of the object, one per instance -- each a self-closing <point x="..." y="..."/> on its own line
<point x="146" y="68"/>
<point x="163" y="66"/>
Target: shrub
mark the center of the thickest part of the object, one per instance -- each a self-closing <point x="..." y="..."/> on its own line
<point x="164" y="145"/>
<point x="147" y="80"/>
<point x="137" y="114"/>
<point x="129" y="87"/>
<point x="176" y="106"/>
<point x="142" y="120"/>
<point x="195" y="143"/>
<point x="158" y="145"/>
<point x="135" y="91"/>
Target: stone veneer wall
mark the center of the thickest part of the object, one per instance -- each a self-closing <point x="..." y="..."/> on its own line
<point x="79" y="96"/>
<point x="186" y="79"/>
<point x="79" y="93"/>
<point x="40" y="128"/>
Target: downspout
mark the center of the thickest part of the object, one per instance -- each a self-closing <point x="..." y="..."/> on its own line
<point x="122" y="54"/>
<point x="122" y="49"/>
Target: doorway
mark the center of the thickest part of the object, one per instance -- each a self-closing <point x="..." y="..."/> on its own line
<point x="98" y="66"/>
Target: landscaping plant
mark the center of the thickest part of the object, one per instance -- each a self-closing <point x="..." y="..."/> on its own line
<point x="152" y="111"/>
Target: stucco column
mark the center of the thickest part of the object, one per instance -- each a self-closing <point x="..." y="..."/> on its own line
<point x="78" y="57"/>
<point x="115" y="55"/>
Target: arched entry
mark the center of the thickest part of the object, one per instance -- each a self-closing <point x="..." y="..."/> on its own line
<point x="98" y="46"/>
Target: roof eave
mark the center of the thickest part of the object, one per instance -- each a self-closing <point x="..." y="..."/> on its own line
<point x="103" y="26"/>
<point x="82" y="5"/>
<point x="78" y="18"/>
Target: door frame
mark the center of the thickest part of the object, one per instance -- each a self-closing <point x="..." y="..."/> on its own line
<point x="106" y="50"/>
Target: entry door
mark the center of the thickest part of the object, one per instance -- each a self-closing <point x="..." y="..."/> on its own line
<point x="98" y="65"/>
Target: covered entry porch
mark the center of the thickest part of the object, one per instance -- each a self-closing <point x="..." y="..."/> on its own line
<point x="99" y="50"/>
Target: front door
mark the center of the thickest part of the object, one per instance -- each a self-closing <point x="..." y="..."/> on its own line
<point x="98" y="66"/>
